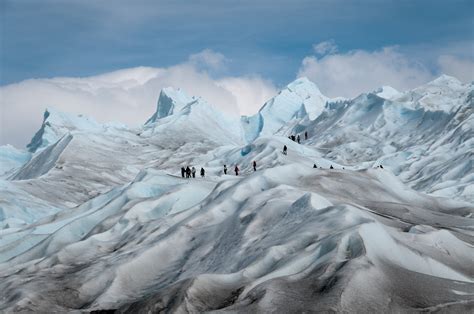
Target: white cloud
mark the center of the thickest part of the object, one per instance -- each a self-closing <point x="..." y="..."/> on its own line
<point x="461" y="68"/>
<point x="349" y="74"/>
<point x="325" y="48"/>
<point x="208" y="59"/>
<point x="127" y="96"/>
<point x="248" y="91"/>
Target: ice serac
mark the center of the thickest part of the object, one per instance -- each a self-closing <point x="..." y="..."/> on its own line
<point x="192" y="119"/>
<point x="170" y="100"/>
<point x="56" y="124"/>
<point x="301" y="98"/>
<point x="43" y="161"/>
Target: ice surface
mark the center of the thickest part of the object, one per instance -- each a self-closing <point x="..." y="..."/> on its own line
<point x="99" y="218"/>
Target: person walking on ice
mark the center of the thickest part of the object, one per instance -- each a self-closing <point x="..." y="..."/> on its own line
<point x="183" y="171"/>
<point x="225" y="169"/>
<point x="203" y="172"/>
<point x="298" y="139"/>
<point x="285" y="149"/>
<point x="236" y="169"/>
<point x="254" y="165"/>
<point x="305" y="135"/>
<point x="193" y="171"/>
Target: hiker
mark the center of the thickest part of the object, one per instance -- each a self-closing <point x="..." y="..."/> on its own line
<point x="314" y="166"/>
<point x="236" y="169"/>
<point x="331" y="167"/>
<point x="305" y="135"/>
<point x="298" y="138"/>
<point x="285" y="149"/>
<point x="381" y="167"/>
<point x="293" y="138"/>
<point x="182" y="171"/>
<point x="203" y="172"/>
<point x="193" y="171"/>
<point x="225" y="169"/>
<point x="254" y="165"/>
<point x="188" y="172"/>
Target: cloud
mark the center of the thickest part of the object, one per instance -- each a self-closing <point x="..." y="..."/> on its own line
<point x="127" y="96"/>
<point x="325" y="48"/>
<point x="461" y="68"/>
<point x="248" y="91"/>
<point x="349" y="74"/>
<point x="208" y="59"/>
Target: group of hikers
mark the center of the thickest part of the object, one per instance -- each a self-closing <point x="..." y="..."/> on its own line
<point x="191" y="172"/>
<point x="294" y="138"/>
<point x="297" y="138"/>
<point x="237" y="170"/>
<point x="331" y="167"/>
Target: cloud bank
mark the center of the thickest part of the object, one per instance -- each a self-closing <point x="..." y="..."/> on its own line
<point x="357" y="71"/>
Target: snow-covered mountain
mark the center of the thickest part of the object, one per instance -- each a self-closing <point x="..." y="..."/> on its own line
<point x="97" y="217"/>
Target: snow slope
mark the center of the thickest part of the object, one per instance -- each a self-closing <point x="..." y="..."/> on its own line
<point x="99" y="218"/>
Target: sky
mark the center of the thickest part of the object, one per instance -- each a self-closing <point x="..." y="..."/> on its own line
<point x="236" y="54"/>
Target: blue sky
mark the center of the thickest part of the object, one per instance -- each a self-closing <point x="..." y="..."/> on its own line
<point x="270" y="38"/>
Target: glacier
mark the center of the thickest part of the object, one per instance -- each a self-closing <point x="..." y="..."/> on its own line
<point x="97" y="217"/>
